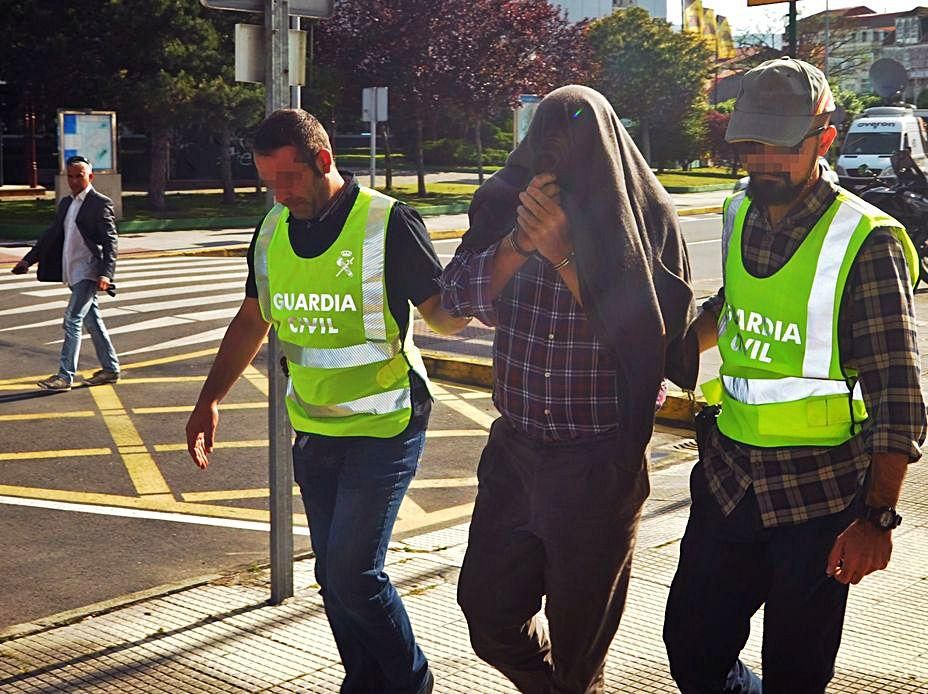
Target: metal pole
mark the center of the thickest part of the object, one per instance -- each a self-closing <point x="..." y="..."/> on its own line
<point x="792" y="28"/>
<point x="2" y="129"/>
<point x="296" y="99"/>
<point x="373" y="135"/>
<point x="32" y="170"/>
<point x="826" y="39"/>
<point x="280" y="469"/>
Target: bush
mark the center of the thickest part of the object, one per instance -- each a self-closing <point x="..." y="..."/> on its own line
<point x="451" y="151"/>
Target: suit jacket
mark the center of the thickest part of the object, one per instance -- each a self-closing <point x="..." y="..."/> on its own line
<point x="96" y="220"/>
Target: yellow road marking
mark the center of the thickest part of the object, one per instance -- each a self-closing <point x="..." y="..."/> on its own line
<point x="452" y="513"/>
<point x="66" y="453"/>
<point x="171" y="447"/>
<point x="142" y="468"/>
<point x="44" y="415"/>
<point x="161" y="379"/>
<point x="449" y="433"/>
<point x="257" y="379"/>
<point x="409" y="509"/>
<point x="444" y="483"/>
<point x="475" y="414"/>
<point x="188" y="408"/>
<point x="230" y="494"/>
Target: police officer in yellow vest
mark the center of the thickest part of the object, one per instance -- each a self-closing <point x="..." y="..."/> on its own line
<point x="794" y="495"/>
<point x="335" y="268"/>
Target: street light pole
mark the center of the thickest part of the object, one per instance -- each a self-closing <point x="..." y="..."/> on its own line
<point x="32" y="170"/>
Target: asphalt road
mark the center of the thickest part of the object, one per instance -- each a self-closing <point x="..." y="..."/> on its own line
<point x="98" y="498"/>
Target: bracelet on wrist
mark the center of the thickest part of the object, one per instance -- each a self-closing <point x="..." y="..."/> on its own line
<point x="568" y="259"/>
<point x="514" y="244"/>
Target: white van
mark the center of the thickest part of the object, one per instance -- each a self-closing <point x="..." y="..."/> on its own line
<point x="874" y="137"/>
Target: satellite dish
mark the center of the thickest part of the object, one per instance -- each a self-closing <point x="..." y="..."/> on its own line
<point x="888" y="78"/>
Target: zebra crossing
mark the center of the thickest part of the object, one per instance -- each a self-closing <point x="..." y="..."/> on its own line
<point x="161" y="304"/>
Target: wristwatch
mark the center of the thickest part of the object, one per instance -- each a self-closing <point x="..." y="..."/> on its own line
<point x="883" y="517"/>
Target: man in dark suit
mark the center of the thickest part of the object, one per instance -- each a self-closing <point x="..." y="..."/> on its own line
<point x="79" y="249"/>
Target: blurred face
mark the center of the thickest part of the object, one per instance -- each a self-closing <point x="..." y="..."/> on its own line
<point x="295" y="184"/>
<point x="79" y="177"/>
<point x="780" y="174"/>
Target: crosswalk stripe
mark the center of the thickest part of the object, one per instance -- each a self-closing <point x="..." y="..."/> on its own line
<point x="131" y="296"/>
<point x="176" y="279"/>
<point x="214" y="335"/>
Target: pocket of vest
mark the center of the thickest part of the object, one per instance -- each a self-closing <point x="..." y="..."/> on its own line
<point x="824" y="412"/>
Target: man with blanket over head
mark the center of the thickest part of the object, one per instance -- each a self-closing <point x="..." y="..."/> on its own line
<point x="574" y="254"/>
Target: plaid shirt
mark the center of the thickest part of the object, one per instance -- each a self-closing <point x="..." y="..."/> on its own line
<point x="876" y="336"/>
<point x="554" y="380"/>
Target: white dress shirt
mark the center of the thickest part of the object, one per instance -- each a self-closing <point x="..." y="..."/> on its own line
<point x="78" y="263"/>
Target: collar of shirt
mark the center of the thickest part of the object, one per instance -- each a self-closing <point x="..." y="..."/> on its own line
<point x="83" y="194"/>
<point x="337" y="205"/>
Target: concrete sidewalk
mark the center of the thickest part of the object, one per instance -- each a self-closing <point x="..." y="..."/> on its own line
<point x="220" y="635"/>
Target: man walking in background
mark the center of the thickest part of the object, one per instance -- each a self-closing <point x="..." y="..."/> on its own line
<point x="79" y="249"/>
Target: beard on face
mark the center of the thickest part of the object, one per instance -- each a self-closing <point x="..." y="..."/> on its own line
<point x="773" y="188"/>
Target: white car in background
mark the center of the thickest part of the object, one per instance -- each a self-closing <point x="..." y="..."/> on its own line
<point x="827" y="173"/>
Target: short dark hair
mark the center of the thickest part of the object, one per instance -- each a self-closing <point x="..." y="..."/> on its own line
<point x="77" y="159"/>
<point x="292" y="127"/>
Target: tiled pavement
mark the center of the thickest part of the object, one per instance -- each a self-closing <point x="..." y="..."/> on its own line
<point x="223" y="637"/>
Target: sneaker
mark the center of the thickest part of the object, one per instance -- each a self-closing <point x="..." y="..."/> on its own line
<point x="54" y="382"/>
<point x="101" y="377"/>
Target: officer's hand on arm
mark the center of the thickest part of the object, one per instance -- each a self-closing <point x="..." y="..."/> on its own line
<point x="21" y="268"/>
<point x="863" y="548"/>
<point x="241" y="343"/>
<point x="438" y="319"/>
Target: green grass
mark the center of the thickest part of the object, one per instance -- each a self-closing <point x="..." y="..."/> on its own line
<point x="698" y="177"/>
<point x="438" y="194"/>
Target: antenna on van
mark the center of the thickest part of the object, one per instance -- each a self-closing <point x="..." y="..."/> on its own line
<point x="889" y="78"/>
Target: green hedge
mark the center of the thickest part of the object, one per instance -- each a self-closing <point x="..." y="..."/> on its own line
<point x="452" y="151"/>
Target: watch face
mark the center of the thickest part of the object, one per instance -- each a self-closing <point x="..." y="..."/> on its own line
<point x="886" y="519"/>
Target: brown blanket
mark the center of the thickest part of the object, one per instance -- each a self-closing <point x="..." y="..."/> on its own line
<point x="631" y="260"/>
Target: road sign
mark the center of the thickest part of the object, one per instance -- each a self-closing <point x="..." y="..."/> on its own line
<point x="317" y="9"/>
<point x="250" y="54"/>
<point x="374" y="109"/>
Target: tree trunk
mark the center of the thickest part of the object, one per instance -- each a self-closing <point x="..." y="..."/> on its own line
<point x="388" y="163"/>
<point x="644" y="138"/>
<point x="158" y="171"/>
<point x="225" y="162"/>
<point x="420" y="158"/>
<point x="478" y="139"/>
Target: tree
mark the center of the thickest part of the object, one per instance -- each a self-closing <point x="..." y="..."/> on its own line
<point x="405" y="45"/>
<point x="649" y="72"/>
<point x="515" y="48"/>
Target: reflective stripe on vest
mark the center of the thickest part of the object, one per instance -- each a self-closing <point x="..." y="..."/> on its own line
<point x="349" y="363"/>
<point x="797" y="393"/>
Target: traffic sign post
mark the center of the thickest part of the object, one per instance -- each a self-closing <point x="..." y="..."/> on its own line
<point x="374" y="110"/>
<point x="278" y="15"/>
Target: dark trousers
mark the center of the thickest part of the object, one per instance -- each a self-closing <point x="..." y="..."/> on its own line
<point x="556" y="521"/>
<point x="729" y="567"/>
<point x="352" y="493"/>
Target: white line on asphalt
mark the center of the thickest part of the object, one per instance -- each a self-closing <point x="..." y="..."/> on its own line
<point x="697" y="243"/>
<point x="147" y="515"/>
<point x="166" y="322"/>
<point x="176" y="279"/>
<point x="208" y="336"/>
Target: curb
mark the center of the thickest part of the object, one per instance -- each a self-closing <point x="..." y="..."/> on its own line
<point x="699" y="189"/>
<point x="678" y="410"/>
<point x="711" y="209"/>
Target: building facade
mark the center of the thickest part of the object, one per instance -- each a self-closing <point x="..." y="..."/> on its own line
<point x="578" y="10"/>
<point x="858" y="37"/>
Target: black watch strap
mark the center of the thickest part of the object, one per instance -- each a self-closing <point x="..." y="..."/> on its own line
<point x="883" y="517"/>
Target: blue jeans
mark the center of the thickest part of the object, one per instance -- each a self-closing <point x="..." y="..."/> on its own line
<point x="352" y="489"/>
<point x="729" y="567"/>
<point x="82" y="308"/>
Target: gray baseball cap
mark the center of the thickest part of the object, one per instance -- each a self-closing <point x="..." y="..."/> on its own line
<point x="778" y="103"/>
